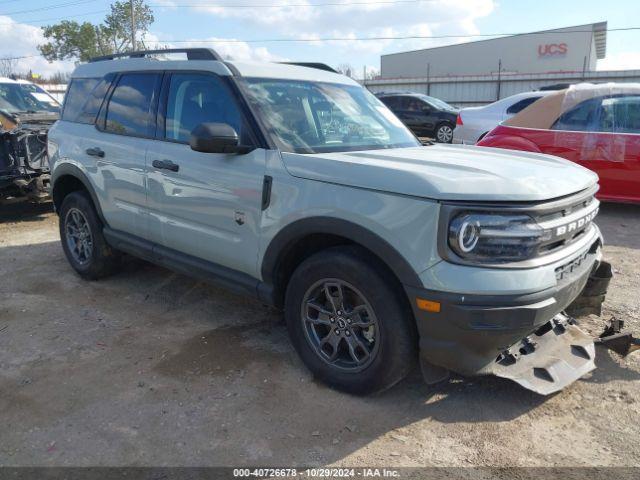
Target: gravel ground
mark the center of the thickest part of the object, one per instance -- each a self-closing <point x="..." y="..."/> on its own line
<point x="153" y="368"/>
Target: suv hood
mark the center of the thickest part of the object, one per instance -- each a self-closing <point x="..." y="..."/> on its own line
<point x="447" y="172"/>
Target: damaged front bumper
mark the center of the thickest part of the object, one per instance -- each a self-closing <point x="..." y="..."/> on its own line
<point x="526" y="338"/>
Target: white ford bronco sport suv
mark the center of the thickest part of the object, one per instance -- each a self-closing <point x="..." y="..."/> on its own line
<point x="294" y="184"/>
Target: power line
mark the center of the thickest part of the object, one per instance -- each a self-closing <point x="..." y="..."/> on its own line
<point x="50" y="7"/>
<point x="50" y="19"/>
<point x="623" y="29"/>
<point x="407" y="37"/>
<point x="20" y="58"/>
<point x="79" y="2"/>
<point x="293" y="5"/>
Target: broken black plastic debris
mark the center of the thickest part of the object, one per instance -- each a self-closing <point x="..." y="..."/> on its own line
<point x="614" y="339"/>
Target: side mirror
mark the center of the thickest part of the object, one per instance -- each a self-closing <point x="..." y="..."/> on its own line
<point x="216" y="138"/>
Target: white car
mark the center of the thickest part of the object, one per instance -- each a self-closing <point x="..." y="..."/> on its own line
<point x="473" y="123"/>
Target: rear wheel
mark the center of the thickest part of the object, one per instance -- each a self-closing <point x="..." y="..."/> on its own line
<point x="82" y="241"/>
<point x="444" y="133"/>
<point x="348" y="324"/>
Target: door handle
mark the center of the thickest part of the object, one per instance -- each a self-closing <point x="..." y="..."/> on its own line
<point x="95" y="152"/>
<point x="165" y="165"/>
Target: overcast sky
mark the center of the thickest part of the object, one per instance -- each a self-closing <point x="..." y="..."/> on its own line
<point x="180" y="21"/>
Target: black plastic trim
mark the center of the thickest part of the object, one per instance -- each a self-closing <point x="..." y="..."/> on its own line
<point x="316" y="65"/>
<point x="233" y="280"/>
<point x="296" y="231"/>
<point x="67" y="169"/>
<point x="469" y="331"/>
<point x="266" y="191"/>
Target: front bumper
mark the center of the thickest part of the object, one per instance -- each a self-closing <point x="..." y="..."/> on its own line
<point x="469" y="332"/>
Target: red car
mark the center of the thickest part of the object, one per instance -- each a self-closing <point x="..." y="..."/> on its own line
<point x="597" y="126"/>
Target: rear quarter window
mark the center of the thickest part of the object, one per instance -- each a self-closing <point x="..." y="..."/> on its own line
<point x="84" y="99"/>
<point x="77" y="93"/>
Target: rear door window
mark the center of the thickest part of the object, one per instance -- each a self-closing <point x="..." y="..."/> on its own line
<point x="130" y="111"/>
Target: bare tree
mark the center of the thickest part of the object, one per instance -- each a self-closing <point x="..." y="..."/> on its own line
<point x="345" y="69"/>
<point x="372" y="74"/>
<point x="8" y="66"/>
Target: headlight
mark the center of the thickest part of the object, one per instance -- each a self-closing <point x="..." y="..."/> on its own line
<point x="493" y="238"/>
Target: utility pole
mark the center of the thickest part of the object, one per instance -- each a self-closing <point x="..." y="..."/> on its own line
<point x="133" y="26"/>
<point x="499" y="78"/>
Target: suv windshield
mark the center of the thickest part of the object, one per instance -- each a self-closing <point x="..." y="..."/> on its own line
<point x="24" y="97"/>
<point x="314" y="117"/>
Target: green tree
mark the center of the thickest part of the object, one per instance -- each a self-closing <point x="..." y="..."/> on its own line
<point x="70" y="40"/>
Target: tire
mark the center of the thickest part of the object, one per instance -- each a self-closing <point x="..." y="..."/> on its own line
<point x="91" y="257"/>
<point x="370" y="300"/>
<point x="444" y="133"/>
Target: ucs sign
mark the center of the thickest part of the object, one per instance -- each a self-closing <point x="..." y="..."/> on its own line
<point x="552" y="49"/>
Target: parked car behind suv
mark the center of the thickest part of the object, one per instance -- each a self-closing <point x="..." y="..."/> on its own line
<point x="297" y="186"/>
<point x="473" y="123"/>
<point x="426" y="116"/>
<point x="26" y="113"/>
<point x="597" y="126"/>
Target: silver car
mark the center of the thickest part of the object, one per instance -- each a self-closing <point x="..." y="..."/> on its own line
<point x="474" y="123"/>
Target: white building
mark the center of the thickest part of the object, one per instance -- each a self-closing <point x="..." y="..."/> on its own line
<point x="571" y="49"/>
<point x="477" y="73"/>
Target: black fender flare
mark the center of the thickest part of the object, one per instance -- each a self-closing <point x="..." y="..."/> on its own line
<point x="68" y="169"/>
<point x="299" y="229"/>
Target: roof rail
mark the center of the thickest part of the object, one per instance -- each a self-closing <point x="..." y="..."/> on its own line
<point x="192" y="54"/>
<point x="319" y="66"/>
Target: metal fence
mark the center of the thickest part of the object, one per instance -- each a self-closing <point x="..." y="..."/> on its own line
<point x="471" y="90"/>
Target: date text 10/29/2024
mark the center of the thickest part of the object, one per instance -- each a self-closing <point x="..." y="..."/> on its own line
<point x="315" y="473"/>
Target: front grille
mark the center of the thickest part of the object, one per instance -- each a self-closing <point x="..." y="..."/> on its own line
<point x="566" y="222"/>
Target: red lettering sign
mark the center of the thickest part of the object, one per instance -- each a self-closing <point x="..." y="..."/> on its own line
<point x="552" y="49"/>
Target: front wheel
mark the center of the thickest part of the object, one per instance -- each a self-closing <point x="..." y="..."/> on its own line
<point x="444" y="133"/>
<point x="348" y="323"/>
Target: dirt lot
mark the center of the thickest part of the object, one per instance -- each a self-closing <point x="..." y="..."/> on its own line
<point x="153" y="368"/>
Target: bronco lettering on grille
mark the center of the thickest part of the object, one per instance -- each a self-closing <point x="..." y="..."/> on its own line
<point x="576" y="224"/>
